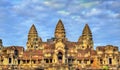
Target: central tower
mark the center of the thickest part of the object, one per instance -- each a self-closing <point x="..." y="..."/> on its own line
<point x="60" y="31"/>
<point x="60" y="38"/>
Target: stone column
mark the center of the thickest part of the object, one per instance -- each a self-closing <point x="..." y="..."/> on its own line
<point x="55" y="60"/>
<point x="63" y="60"/>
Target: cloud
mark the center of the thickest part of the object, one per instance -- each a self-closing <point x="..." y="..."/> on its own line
<point x="95" y="29"/>
<point x="53" y="4"/>
<point x="93" y="12"/>
<point x="114" y="15"/>
<point x="89" y="4"/>
<point x="64" y="13"/>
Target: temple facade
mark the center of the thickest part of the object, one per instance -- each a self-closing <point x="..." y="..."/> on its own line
<point x="58" y="53"/>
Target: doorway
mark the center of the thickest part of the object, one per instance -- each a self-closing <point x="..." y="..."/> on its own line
<point x="110" y="60"/>
<point x="60" y="55"/>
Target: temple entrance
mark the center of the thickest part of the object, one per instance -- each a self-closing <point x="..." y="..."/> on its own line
<point x="110" y="60"/>
<point x="60" y="55"/>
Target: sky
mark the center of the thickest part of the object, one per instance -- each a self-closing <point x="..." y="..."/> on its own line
<point x="17" y="16"/>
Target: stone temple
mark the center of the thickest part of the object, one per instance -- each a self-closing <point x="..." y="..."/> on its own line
<point x="58" y="53"/>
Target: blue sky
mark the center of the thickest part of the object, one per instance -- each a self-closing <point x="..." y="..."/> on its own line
<point x="17" y="16"/>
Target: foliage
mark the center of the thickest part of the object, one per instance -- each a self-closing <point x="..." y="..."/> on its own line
<point x="105" y="68"/>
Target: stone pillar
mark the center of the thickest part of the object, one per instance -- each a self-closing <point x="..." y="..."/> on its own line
<point x="21" y="62"/>
<point x="63" y="60"/>
<point x="55" y="60"/>
<point x="11" y="60"/>
<point x="25" y="61"/>
<point x="114" y="61"/>
<point x="66" y="60"/>
<point x="48" y="60"/>
<point x="37" y="61"/>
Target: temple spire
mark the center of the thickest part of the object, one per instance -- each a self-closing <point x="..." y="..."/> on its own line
<point x="85" y="40"/>
<point x="60" y="30"/>
<point x="86" y="30"/>
<point x="33" y="39"/>
<point x="33" y="30"/>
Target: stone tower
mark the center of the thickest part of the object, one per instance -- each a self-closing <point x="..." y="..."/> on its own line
<point x="1" y="46"/>
<point x="33" y="39"/>
<point x="85" y="40"/>
<point x="60" y="31"/>
<point x="60" y="38"/>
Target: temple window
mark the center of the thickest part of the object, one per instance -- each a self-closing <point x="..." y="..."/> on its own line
<point x="50" y="60"/>
<point x="85" y="61"/>
<point x="47" y="61"/>
<point x="34" y="61"/>
<point x="82" y="46"/>
<point x="69" y="60"/>
<point x="10" y="60"/>
<point x="1" y="61"/>
<point x="87" y="46"/>
<point x="16" y="52"/>
<point x="36" y="47"/>
<point x="79" y="61"/>
<point x="101" y="61"/>
<point x="31" y="46"/>
<point x="28" y="61"/>
<point x="18" y="61"/>
<point x="91" y="61"/>
<point x="98" y="49"/>
<point x="114" y="49"/>
<point x="39" y="61"/>
<point x="23" y="61"/>
<point x="36" y="39"/>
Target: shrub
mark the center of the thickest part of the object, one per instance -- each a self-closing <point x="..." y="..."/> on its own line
<point x="105" y="68"/>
